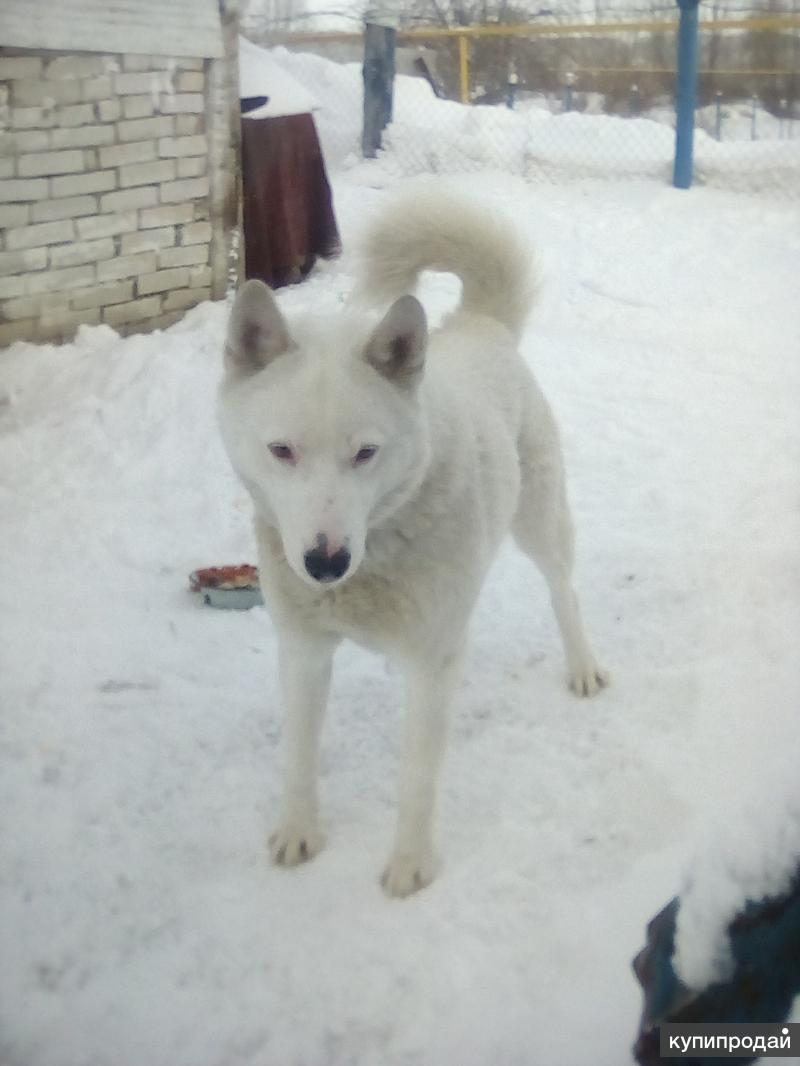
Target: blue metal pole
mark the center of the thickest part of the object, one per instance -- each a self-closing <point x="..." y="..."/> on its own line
<point x="687" y="93"/>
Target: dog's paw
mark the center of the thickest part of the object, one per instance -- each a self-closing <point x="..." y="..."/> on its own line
<point x="407" y="872"/>
<point x="588" y="678"/>
<point x="294" y="842"/>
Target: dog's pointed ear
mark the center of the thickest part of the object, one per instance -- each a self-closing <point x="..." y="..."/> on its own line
<point x="397" y="346"/>
<point x="257" y="331"/>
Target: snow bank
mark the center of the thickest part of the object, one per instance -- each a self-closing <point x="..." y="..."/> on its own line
<point x="750" y="852"/>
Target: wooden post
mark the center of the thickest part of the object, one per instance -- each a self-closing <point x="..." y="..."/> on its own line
<point x="378" y="74"/>
<point x="463" y="66"/>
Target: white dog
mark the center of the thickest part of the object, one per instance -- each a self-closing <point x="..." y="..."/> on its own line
<point x="386" y="466"/>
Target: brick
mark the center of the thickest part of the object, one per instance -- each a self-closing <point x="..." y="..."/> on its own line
<point x="96" y="89"/>
<point x="13" y="285"/>
<point x="25" y="118"/>
<point x="27" y="141"/>
<point x="135" y="62"/>
<point x="127" y="266"/>
<point x="7" y="167"/>
<point x="67" y="207"/>
<point x="82" y="137"/>
<point x="138" y="63"/>
<point x="182" y="298"/>
<point x="172" y="215"/>
<point x="34" y="92"/>
<point x="162" y="281"/>
<point x="19" y="67"/>
<point x="109" y="110"/>
<point x="60" y="322"/>
<point x="123" y="154"/>
<point x="147" y="173"/>
<point x="136" y="311"/>
<point x="80" y="184"/>
<point x="190" y="81"/>
<point x="115" y="292"/>
<point x="200" y="277"/>
<point x="138" y="106"/>
<point x="16" y="331"/>
<point x="78" y="115"/>
<point x="33" y="166"/>
<point x="81" y="252"/>
<point x="139" y="129"/>
<point x="60" y="280"/>
<point x="187" y="63"/>
<point x="183" y="103"/>
<point x="201" y="210"/>
<point x="178" y="146"/>
<point x="21" y="261"/>
<point x="25" y="307"/>
<point x="83" y="66"/>
<point x="135" y="84"/>
<point x="192" y="168"/>
<point x="14" y="215"/>
<point x="165" y="321"/>
<point x="38" y="235"/>
<point x="188" y="189"/>
<point x="128" y="199"/>
<point x="193" y="255"/>
<point x="189" y="125"/>
<point x="149" y="240"/>
<point x="105" y="225"/>
<point x="196" y="233"/>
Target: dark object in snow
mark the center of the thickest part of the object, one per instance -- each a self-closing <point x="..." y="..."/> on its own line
<point x="765" y="945"/>
<point x="252" y="103"/>
<point x="229" y="587"/>
<point x="287" y="207"/>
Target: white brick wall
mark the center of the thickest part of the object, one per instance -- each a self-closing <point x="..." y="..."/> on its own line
<point x="104" y="192"/>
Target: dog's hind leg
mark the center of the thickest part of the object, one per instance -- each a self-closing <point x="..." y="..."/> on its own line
<point x="305" y="669"/>
<point x="542" y="528"/>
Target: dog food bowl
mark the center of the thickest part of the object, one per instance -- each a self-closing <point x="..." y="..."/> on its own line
<point x="228" y="587"/>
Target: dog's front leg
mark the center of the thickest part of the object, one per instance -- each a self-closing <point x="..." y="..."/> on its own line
<point x="430" y="687"/>
<point x="305" y="670"/>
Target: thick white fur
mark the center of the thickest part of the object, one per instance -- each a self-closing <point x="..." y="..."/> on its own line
<point x="468" y="451"/>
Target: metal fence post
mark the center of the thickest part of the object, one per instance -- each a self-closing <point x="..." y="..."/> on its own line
<point x="569" y="81"/>
<point x="378" y="71"/>
<point x="686" y="93"/>
<point x="463" y="67"/>
<point x="511" y="89"/>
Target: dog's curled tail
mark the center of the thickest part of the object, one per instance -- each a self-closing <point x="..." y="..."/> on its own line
<point x="429" y="229"/>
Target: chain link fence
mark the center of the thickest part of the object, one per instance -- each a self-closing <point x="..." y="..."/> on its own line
<point x="571" y="102"/>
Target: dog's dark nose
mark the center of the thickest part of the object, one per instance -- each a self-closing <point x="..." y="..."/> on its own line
<point x="324" y="567"/>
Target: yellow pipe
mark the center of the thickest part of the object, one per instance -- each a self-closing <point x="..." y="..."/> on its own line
<point x="568" y="29"/>
<point x="463" y="67"/>
<point x="551" y="29"/>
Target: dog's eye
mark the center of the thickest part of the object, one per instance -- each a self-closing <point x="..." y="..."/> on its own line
<point x="282" y="452"/>
<point x="363" y="455"/>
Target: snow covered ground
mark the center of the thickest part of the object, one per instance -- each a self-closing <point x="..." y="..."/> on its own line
<point x="141" y="920"/>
